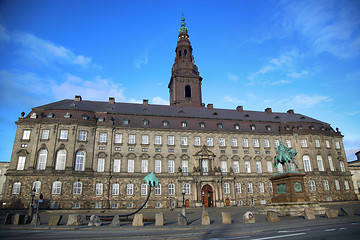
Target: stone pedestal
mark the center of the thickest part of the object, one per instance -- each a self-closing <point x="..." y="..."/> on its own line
<point x="289" y="187"/>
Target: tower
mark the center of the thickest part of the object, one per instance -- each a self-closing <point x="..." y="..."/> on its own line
<point x="185" y="82"/>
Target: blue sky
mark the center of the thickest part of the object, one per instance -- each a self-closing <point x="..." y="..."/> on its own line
<point x="301" y="55"/>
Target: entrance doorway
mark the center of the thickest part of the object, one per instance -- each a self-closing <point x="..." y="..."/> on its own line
<point x="187" y="203"/>
<point x="227" y="202"/>
<point x="207" y="196"/>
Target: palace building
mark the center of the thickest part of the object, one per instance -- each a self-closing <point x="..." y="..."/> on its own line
<point x="88" y="154"/>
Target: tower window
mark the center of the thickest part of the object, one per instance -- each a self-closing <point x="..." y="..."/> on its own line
<point x="185" y="52"/>
<point x="179" y="53"/>
<point x="187" y="91"/>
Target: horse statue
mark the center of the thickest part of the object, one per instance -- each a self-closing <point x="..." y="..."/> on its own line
<point x="284" y="156"/>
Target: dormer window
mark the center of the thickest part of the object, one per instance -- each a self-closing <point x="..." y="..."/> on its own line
<point x="202" y="124"/>
<point x="215" y="113"/>
<point x="184" y="124"/>
<point x="146" y="122"/>
<point x="165" y="123"/>
<point x="312" y="127"/>
<point x="85" y="117"/>
<point x="247" y="115"/>
<point x="237" y="126"/>
<point x="126" y="121"/>
<point x="322" y="128"/>
<point x="287" y="128"/>
<point x="253" y="127"/>
<point x="268" y="127"/>
<point x="50" y="115"/>
<point x="277" y="117"/>
<point x="101" y="119"/>
<point x="67" y="115"/>
<point x="220" y="125"/>
<point x="33" y="115"/>
<point x="300" y="127"/>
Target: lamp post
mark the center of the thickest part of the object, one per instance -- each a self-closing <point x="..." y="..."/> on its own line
<point x="31" y="207"/>
<point x="183" y="190"/>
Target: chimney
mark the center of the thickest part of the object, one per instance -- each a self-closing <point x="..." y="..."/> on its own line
<point x="210" y="106"/>
<point x="268" y="110"/>
<point x="290" y="111"/>
<point x="240" y="108"/>
<point x="145" y="102"/>
<point x="78" y="98"/>
<point x="358" y="155"/>
<point x="111" y="100"/>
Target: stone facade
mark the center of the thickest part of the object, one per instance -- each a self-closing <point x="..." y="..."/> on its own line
<point x="354" y="167"/>
<point x="85" y="154"/>
<point x="4" y="166"/>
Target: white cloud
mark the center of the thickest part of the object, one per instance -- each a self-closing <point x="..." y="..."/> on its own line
<point x="142" y="60"/>
<point x="232" y="100"/>
<point x="304" y="101"/>
<point x="233" y="78"/>
<point x="95" y="89"/>
<point x="132" y="100"/>
<point x="281" y="82"/>
<point x="160" y="101"/>
<point x="298" y="75"/>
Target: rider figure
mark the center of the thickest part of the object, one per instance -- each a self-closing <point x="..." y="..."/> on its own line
<point x="281" y="151"/>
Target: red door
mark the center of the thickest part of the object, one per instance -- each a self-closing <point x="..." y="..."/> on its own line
<point x="227" y="202"/>
<point x="187" y="203"/>
<point x="207" y="196"/>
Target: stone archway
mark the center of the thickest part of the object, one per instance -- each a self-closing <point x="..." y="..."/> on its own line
<point x="207" y="196"/>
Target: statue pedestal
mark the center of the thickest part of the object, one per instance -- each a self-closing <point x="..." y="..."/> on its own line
<point x="289" y="187"/>
<point x="289" y="196"/>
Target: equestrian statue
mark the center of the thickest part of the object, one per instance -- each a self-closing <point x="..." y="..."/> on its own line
<point x="284" y="157"/>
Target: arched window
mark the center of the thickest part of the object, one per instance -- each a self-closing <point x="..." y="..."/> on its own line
<point x="99" y="189"/>
<point x="312" y="186"/>
<point x="16" y="188"/>
<point x="226" y="188"/>
<point x="115" y="189"/>
<point x="158" y="189"/>
<point x="56" y="187"/>
<point x="187" y="91"/>
<point x="80" y="161"/>
<point x="171" y="189"/>
<point x="77" y="188"/>
<point x="187" y="188"/>
<point x="37" y="187"/>
<point x="60" y="160"/>
<point x="42" y="159"/>
<point x="307" y="166"/>
<point x="185" y="52"/>
<point x="179" y="53"/>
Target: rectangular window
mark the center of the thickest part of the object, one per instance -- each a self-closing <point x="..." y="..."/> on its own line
<point x="331" y="165"/>
<point x="266" y="143"/>
<point x="197" y="141"/>
<point x="184" y="141"/>
<point x="223" y="166"/>
<point x="45" y="134"/>
<point x="171" y="140"/>
<point x="261" y="188"/>
<point x="131" y="139"/>
<point x="205" y="166"/>
<point x="317" y="143"/>
<point x="276" y="143"/>
<point x="256" y="143"/>
<point x="118" y="138"/>
<point x="226" y="188"/>
<point x="185" y="166"/>
<point x="245" y="142"/>
<point x="171" y="166"/>
<point x="26" y="135"/>
<point x="144" y="166"/>
<point x="288" y="143"/>
<point x="337" y="144"/>
<point x="327" y="143"/>
<point x="346" y="183"/>
<point x="210" y="142"/>
<point x="247" y="167"/>
<point x="103" y="137"/>
<point x="307" y="166"/>
<point x="303" y="143"/>
<point x="115" y="189"/>
<point x="236" y="167"/>
<point x="158" y="190"/>
<point x="130" y="166"/>
<point x="99" y="189"/>
<point x="250" y="188"/>
<point x="145" y="139"/>
<point x="101" y="163"/>
<point x="222" y="142"/>
<point x="129" y="189"/>
<point x="157" y="166"/>
<point x="269" y="165"/>
<point x="63" y="134"/>
<point x="158" y="140"/>
<point x="56" y="188"/>
<point x="234" y="142"/>
<point x="16" y="188"/>
<point x="320" y="163"/>
<point x="171" y="189"/>
<point x="82" y="136"/>
<point x="143" y="190"/>
<point x="326" y="185"/>
<point x="237" y="188"/>
<point x="258" y="167"/>
<point x="117" y="164"/>
<point x="342" y="166"/>
<point x="337" y="185"/>
<point x="21" y="163"/>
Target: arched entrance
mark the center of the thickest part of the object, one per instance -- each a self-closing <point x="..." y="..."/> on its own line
<point x="207" y="196"/>
<point x="187" y="203"/>
<point x="227" y="202"/>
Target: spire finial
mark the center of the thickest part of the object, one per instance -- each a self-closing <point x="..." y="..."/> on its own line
<point x="183" y="29"/>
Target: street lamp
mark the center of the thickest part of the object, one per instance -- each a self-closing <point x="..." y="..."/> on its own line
<point x="183" y="190"/>
<point x="31" y="207"/>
